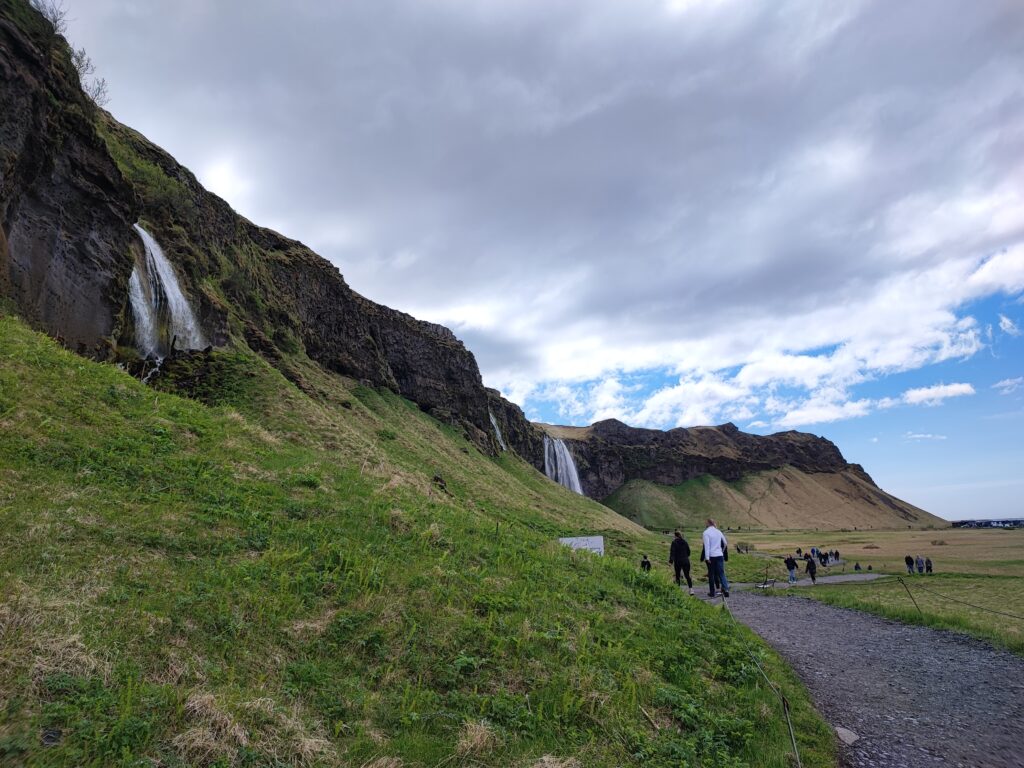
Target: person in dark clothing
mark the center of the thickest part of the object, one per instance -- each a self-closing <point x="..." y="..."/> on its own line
<point x="910" y="564"/>
<point x="920" y="564"/>
<point x="927" y="565"/>
<point x="791" y="567"/>
<point x="679" y="559"/>
<point x="812" y="570"/>
<point x="837" y="556"/>
<point x="856" y="566"/>
<point x="645" y="565"/>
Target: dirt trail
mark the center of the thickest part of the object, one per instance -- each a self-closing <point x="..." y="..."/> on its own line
<point x="913" y="696"/>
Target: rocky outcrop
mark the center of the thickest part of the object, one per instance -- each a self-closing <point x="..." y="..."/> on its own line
<point x="610" y="453"/>
<point x="66" y="243"/>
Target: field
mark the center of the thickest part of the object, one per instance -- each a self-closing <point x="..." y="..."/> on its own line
<point x="266" y="578"/>
<point x="992" y="552"/>
<point x="983" y="567"/>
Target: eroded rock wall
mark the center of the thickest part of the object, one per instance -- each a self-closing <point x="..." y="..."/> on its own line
<point x="66" y="246"/>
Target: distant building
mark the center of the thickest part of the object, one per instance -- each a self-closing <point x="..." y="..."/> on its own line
<point x="1009" y="523"/>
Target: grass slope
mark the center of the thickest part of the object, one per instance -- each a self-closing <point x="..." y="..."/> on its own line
<point x="774" y="499"/>
<point x="271" y="578"/>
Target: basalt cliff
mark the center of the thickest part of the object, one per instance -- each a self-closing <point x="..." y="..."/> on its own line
<point x="785" y="480"/>
<point x="74" y="181"/>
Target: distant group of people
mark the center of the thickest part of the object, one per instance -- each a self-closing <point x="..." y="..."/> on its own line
<point x="924" y="564"/>
<point x="714" y="553"/>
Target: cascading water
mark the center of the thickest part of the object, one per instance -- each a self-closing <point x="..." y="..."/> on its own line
<point x="497" y="431"/>
<point x="161" y="311"/>
<point x="559" y="466"/>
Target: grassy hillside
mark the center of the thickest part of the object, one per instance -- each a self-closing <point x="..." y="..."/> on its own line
<point x="270" y="577"/>
<point x="773" y="499"/>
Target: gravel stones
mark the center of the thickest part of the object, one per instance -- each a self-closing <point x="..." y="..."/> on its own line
<point x="913" y="696"/>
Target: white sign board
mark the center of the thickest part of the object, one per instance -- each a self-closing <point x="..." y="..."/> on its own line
<point x="593" y="544"/>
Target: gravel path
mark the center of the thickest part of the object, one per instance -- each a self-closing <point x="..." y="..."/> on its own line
<point x="914" y="696"/>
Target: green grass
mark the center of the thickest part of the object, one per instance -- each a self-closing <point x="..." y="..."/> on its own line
<point x="937" y="597"/>
<point x="258" y="577"/>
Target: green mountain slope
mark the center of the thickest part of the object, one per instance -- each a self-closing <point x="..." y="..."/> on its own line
<point x="770" y="499"/>
<point x="272" y="578"/>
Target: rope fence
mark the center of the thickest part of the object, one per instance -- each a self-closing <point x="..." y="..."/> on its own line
<point x="954" y="600"/>
<point x="774" y="688"/>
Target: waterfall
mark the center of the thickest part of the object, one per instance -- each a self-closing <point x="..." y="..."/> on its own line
<point x="497" y="431"/>
<point x="161" y="311"/>
<point x="559" y="466"/>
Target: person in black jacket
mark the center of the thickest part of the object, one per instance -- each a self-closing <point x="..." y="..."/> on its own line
<point x="791" y="567"/>
<point x="645" y="565"/>
<point x="679" y="559"/>
<point x="812" y="570"/>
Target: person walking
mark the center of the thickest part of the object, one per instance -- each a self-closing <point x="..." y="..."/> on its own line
<point x="920" y="565"/>
<point x="910" y="564"/>
<point x="715" y="552"/>
<point x="679" y="559"/>
<point x="645" y="565"/>
<point x="791" y="567"/>
<point x="927" y="565"/>
<point x="812" y="570"/>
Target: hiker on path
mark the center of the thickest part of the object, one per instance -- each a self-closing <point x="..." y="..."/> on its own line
<point x="679" y="559"/>
<point x="645" y="565"/>
<point x="856" y="566"/>
<point x="910" y="564"/>
<point x="837" y="555"/>
<point x="927" y="565"/>
<point x="920" y="564"/>
<point x="791" y="567"/>
<point x="812" y="570"/>
<point x="715" y="551"/>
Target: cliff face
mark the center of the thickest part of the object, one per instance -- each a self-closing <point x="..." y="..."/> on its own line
<point x="73" y="181"/>
<point x="610" y="453"/>
<point x="66" y="243"/>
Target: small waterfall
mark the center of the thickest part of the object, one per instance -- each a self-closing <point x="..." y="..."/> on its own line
<point x="559" y="466"/>
<point x="161" y="311"/>
<point x="497" y="431"/>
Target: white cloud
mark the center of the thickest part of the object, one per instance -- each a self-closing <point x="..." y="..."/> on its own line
<point x="1006" y="325"/>
<point x="936" y="394"/>
<point x="696" y="399"/>
<point x="1007" y="386"/>
<point x="820" y="410"/>
<point x="923" y="436"/>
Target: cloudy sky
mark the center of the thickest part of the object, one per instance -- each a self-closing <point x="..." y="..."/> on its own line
<point x="674" y="212"/>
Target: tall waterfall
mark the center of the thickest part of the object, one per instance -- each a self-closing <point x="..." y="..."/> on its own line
<point x="161" y="312"/>
<point x="559" y="466"/>
<point x="497" y="431"/>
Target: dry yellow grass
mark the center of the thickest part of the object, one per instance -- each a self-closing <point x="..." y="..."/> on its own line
<point x="963" y="550"/>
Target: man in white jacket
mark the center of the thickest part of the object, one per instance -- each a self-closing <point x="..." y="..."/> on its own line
<point x="714" y="551"/>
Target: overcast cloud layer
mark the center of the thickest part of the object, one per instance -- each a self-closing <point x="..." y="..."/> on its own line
<point x="669" y="212"/>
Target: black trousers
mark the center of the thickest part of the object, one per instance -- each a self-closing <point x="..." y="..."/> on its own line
<point x="684" y="568"/>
